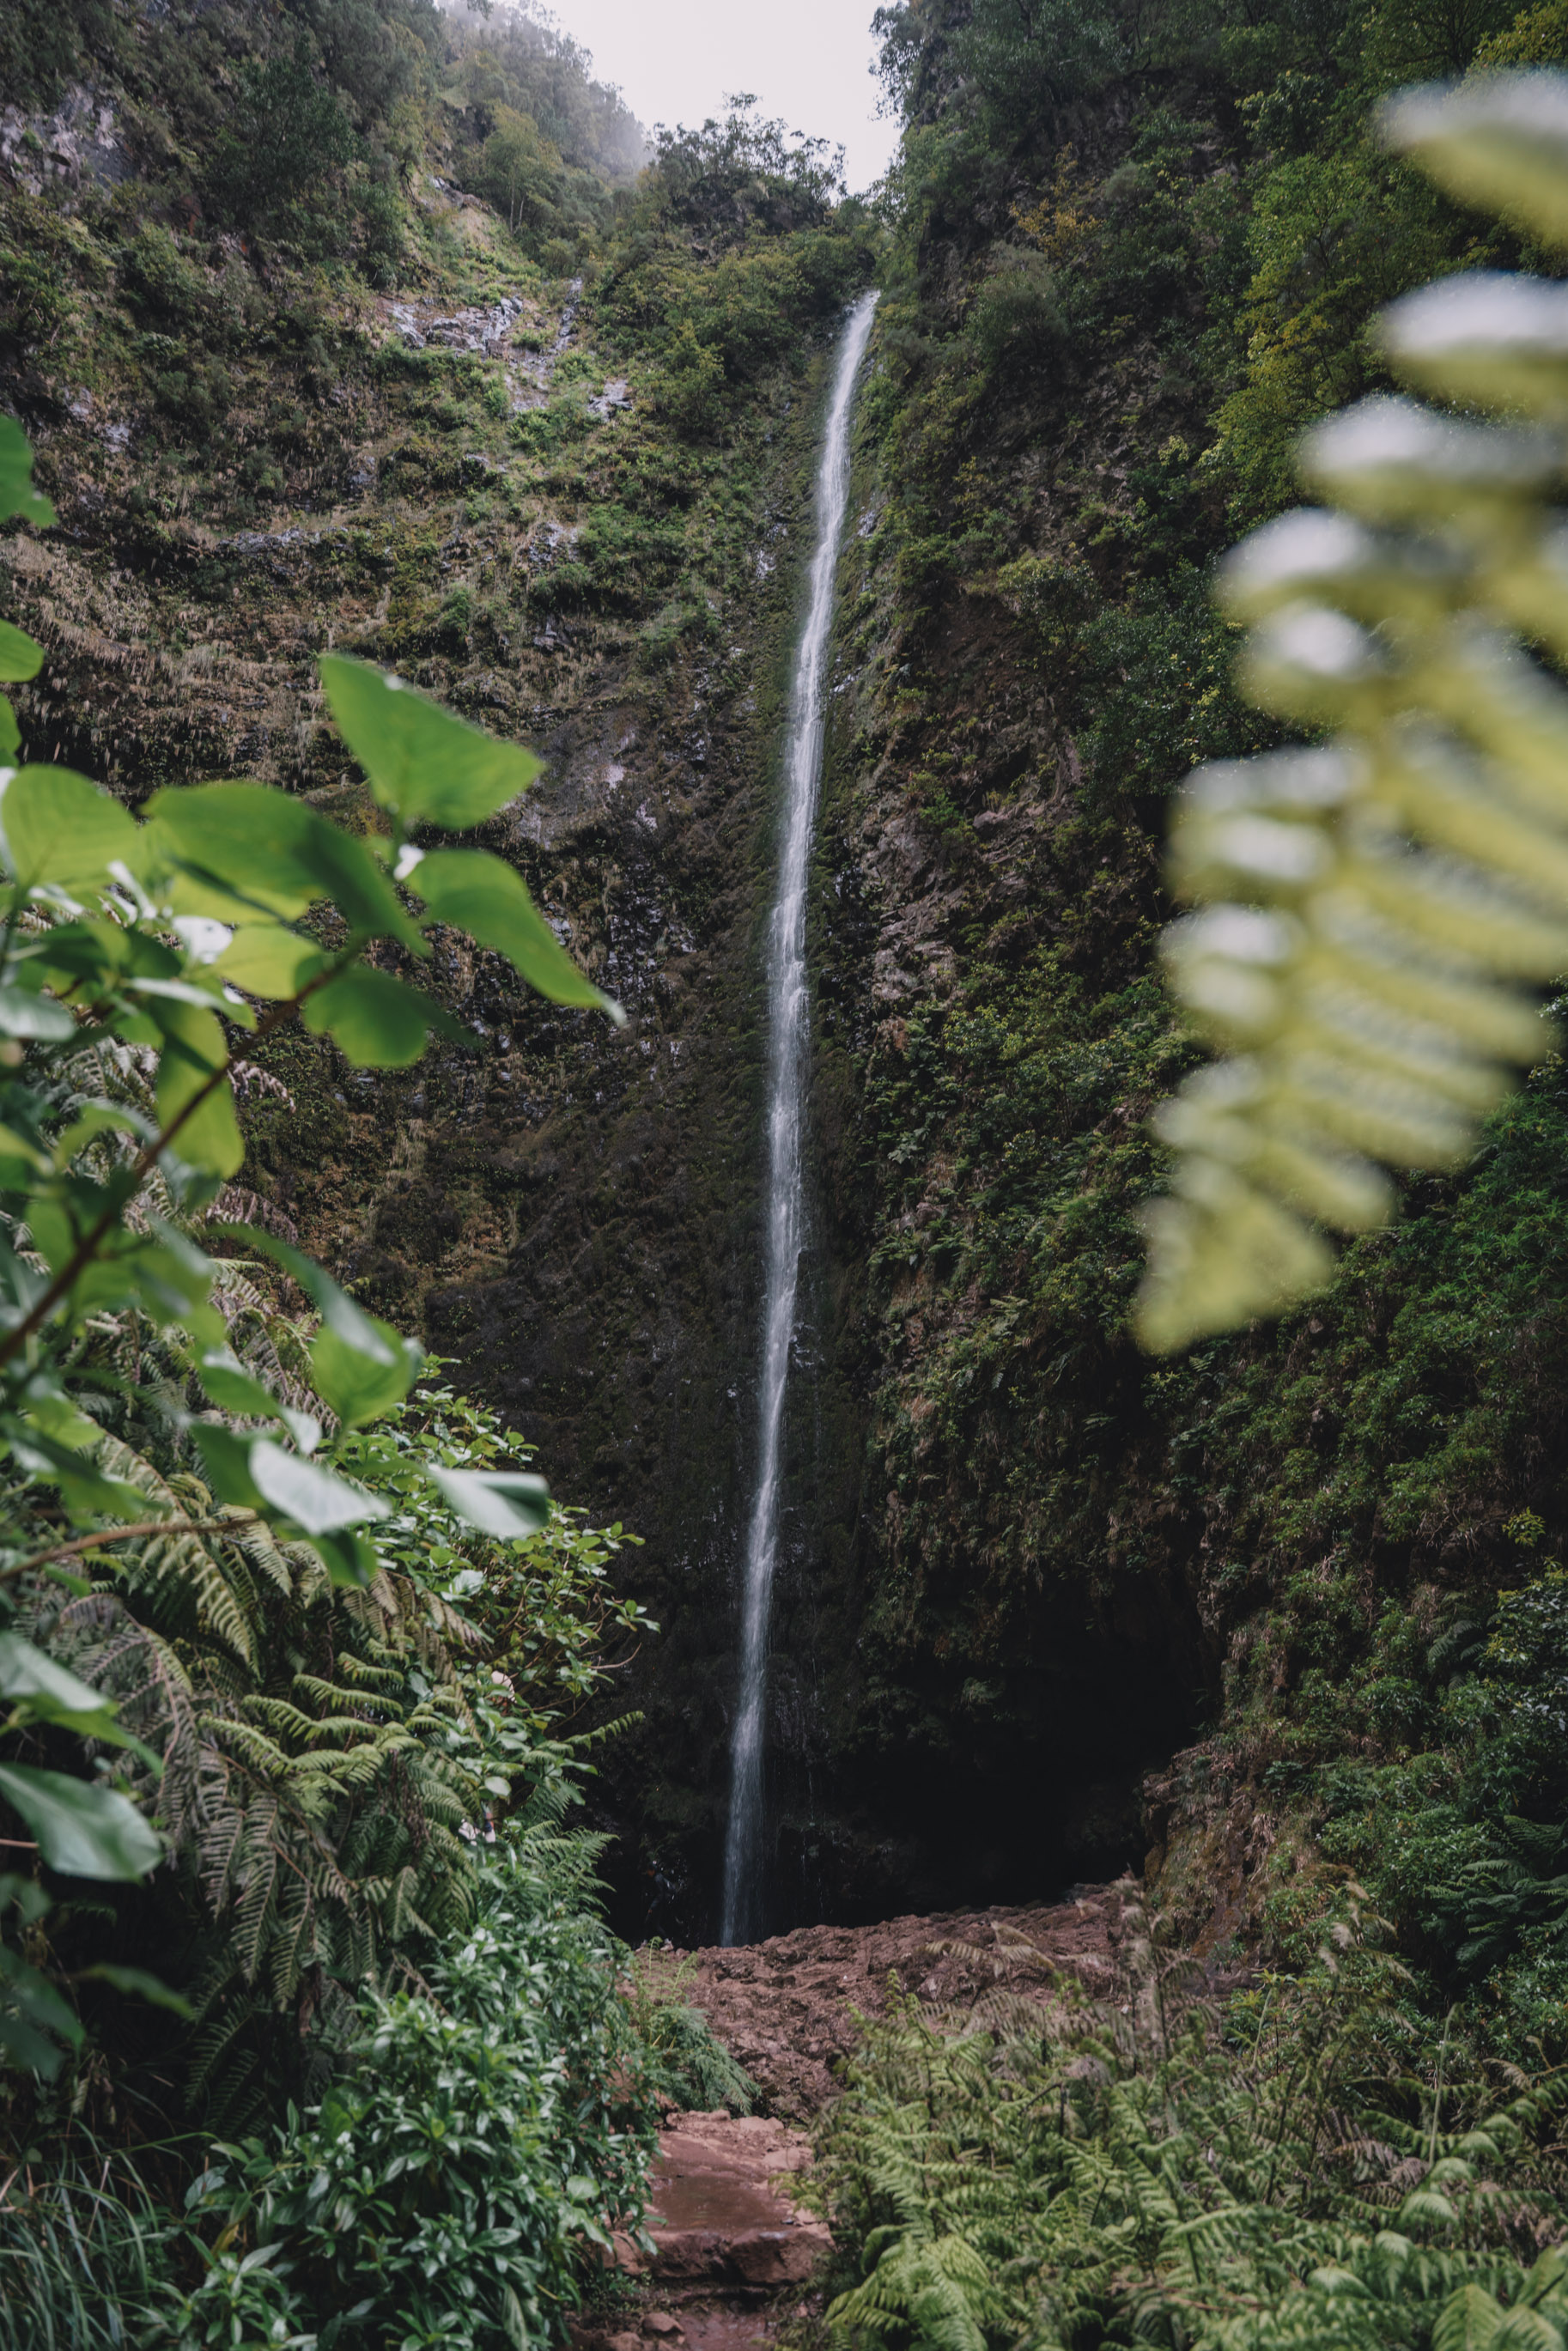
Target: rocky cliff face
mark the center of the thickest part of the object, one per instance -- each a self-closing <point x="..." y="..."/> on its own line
<point x="425" y="473"/>
<point x="562" y="481"/>
<point x="458" y="479"/>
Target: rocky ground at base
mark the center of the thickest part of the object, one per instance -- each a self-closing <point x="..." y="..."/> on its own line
<point x="733" y="2255"/>
<point x="788" y="2007"/>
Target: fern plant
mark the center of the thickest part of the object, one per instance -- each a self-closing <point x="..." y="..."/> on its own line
<point x="259" y="1674"/>
<point x="688" y="2065"/>
<point x="1138" y="2163"/>
<point x="327" y="1757"/>
<point x="1372" y="904"/>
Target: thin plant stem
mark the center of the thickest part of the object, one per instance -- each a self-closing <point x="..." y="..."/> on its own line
<point x="125" y="1534"/>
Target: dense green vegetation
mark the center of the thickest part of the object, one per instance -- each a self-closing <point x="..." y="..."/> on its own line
<point x="1125" y="255"/>
<point x="1160" y="2167"/>
<point x="1365" y="1503"/>
<point x="1133" y="253"/>
<point x="284" y="1633"/>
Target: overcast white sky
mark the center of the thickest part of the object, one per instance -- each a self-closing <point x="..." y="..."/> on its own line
<point x="808" y="61"/>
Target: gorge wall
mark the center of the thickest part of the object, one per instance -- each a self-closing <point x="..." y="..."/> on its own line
<point x="548" y="453"/>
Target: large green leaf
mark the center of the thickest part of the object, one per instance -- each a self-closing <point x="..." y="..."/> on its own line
<point x="59" y="827"/>
<point x="230" y="1386"/>
<point x="17" y="496"/>
<point x="350" y="1557"/>
<point x="196" y="1051"/>
<point x="20" y="657"/>
<point x="22" y="1014"/>
<point x="507" y="1503"/>
<point x="10" y="733"/>
<point x="48" y="1692"/>
<point x="426" y="765"/>
<point x="234" y="1389"/>
<point x="275" y="855"/>
<point x="269" y="960"/>
<point x="254" y="1473"/>
<point x="90" y="955"/>
<point x="226" y="1459"/>
<point x="163" y="1273"/>
<point x="477" y="894"/>
<point x="356" y="1387"/>
<point x="317" y="1502"/>
<point x="83" y="1830"/>
<point x="376" y="1021"/>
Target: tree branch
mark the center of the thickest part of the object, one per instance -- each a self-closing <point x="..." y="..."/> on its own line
<point x="126" y="1534"/>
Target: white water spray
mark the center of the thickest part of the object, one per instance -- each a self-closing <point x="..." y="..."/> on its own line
<point x="788" y="1020"/>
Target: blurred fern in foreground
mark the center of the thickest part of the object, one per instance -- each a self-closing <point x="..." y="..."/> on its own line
<point x="1371" y="905"/>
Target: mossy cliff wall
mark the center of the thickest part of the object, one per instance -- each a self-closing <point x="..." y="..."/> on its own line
<point x="560" y="477"/>
<point x="1130" y="259"/>
<point x="490" y="478"/>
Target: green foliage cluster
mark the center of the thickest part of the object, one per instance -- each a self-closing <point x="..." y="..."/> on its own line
<point x="738" y="244"/>
<point x="686" y="2065"/>
<point x="1005" y="1107"/>
<point x="1138" y="2161"/>
<point x="479" y="2137"/>
<point x="480" y="2140"/>
<point x="1133" y="254"/>
<point x="1437" y="1781"/>
<point x="283" y="1635"/>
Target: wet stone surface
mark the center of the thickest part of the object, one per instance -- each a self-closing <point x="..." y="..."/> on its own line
<point x="732" y="2251"/>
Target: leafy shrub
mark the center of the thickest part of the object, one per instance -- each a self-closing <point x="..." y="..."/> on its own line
<point x="164" y="285"/>
<point x="35" y="294"/>
<point x="520" y="172"/>
<point x="289" y="134"/>
<point x="1016" y="322"/>
<point x="382" y="231"/>
<point x="475" y="2144"/>
<point x="692" y="382"/>
<point x="1158" y="671"/>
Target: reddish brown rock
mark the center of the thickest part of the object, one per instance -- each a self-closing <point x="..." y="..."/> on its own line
<point x="788" y="2008"/>
<point x="728" y="2238"/>
<point x="721" y="2208"/>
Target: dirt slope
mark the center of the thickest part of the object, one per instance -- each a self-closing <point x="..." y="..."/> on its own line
<point x="788" y="2007"/>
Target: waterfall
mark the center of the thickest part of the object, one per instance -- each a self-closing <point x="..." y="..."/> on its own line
<point x="788" y="1021"/>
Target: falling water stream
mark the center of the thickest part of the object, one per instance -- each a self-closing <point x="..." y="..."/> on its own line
<point x="787" y="1020"/>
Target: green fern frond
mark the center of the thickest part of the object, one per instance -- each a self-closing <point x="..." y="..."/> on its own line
<point x="1371" y="905"/>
